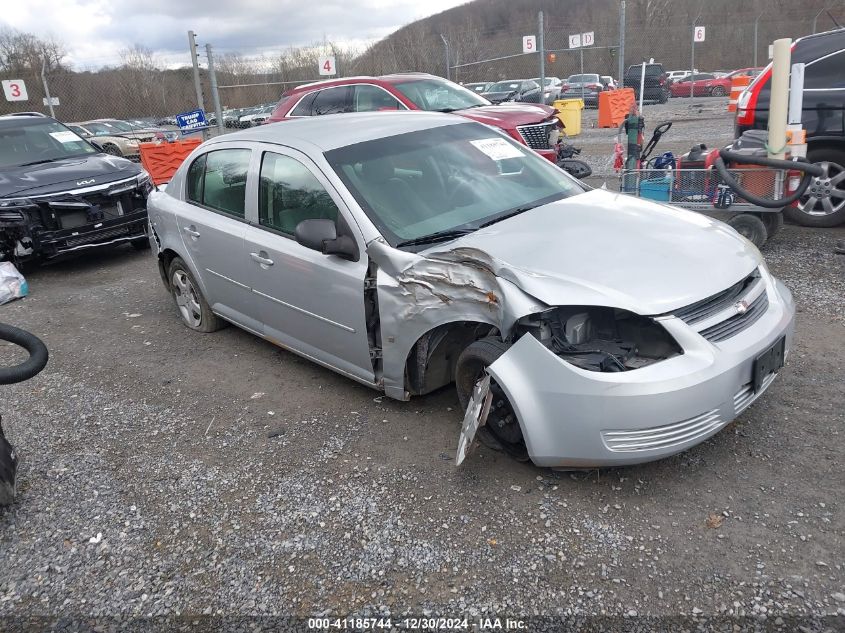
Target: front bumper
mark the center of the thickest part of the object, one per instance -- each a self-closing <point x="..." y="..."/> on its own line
<point x="576" y="418"/>
<point x="126" y="228"/>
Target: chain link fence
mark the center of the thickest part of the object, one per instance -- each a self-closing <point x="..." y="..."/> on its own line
<point x="140" y="89"/>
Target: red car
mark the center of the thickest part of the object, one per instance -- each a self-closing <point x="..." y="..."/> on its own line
<point x="534" y="125"/>
<point x="703" y="85"/>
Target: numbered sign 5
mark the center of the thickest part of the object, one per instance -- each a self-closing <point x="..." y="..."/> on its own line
<point x="575" y="41"/>
<point x="698" y="34"/>
<point x="15" y="90"/>
<point x="327" y="65"/>
<point x="588" y="39"/>
<point x="529" y="44"/>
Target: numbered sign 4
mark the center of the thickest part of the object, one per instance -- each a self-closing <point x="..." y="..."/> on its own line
<point x="698" y="34"/>
<point x="15" y="90"/>
<point x="529" y="44"/>
<point x="327" y="65"/>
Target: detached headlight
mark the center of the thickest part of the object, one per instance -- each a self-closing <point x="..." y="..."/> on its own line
<point x="602" y="339"/>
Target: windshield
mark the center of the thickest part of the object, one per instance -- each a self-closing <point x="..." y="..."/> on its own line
<point x="101" y="128"/>
<point x="439" y="95"/>
<point x="549" y="81"/>
<point x="25" y="141"/>
<point x="583" y="79"/>
<point x="120" y="126"/>
<point x="449" y="178"/>
<point x="504" y="86"/>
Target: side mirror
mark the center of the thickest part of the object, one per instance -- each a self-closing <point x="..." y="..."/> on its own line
<point x="321" y="235"/>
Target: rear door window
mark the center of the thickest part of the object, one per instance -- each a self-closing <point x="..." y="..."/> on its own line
<point x="332" y="101"/>
<point x="826" y="72"/>
<point x="217" y="180"/>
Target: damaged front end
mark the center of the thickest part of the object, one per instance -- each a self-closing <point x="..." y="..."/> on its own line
<point x="599" y="339"/>
<point x="46" y="226"/>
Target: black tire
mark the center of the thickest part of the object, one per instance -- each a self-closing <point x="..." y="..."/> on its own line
<point x="773" y="223"/>
<point x="112" y="149"/>
<point x="717" y="91"/>
<point x="750" y="227"/>
<point x="835" y="159"/>
<point x="664" y="96"/>
<point x="141" y="244"/>
<point x="32" y="366"/>
<point x="576" y="168"/>
<point x="197" y="314"/>
<point x="502" y="431"/>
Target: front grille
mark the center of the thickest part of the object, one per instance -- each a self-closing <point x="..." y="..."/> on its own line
<point x="665" y="436"/>
<point x="706" y="308"/>
<point x="739" y="322"/>
<point x="100" y="236"/>
<point x="536" y="136"/>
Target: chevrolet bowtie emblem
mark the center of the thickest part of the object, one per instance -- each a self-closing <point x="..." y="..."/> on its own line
<point x="741" y="307"/>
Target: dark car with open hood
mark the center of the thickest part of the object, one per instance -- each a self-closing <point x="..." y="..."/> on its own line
<point x="59" y="193"/>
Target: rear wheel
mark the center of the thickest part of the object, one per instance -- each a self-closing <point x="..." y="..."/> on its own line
<point x="750" y="227"/>
<point x="193" y="308"/>
<point x="824" y="203"/>
<point x="502" y="430"/>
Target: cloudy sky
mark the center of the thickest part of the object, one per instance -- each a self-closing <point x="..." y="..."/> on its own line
<point x="95" y="30"/>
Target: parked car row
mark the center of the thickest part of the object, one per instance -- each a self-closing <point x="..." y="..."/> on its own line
<point x="528" y="90"/>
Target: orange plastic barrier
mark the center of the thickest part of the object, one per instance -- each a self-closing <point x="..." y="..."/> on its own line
<point x="163" y="159"/>
<point x="738" y="84"/>
<point x="614" y="105"/>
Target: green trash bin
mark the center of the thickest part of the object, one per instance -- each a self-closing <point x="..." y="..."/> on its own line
<point x="569" y="112"/>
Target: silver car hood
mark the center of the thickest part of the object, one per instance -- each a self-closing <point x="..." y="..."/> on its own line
<point x="606" y="248"/>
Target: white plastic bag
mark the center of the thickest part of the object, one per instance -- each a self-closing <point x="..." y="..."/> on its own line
<point x="12" y="284"/>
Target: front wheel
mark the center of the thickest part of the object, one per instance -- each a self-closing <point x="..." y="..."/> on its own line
<point x="717" y="91"/>
<point x="502" y="430"/>
<point x="823" y="205"/>
<point x="193" y="308"/>
<point x="112" y="150"/>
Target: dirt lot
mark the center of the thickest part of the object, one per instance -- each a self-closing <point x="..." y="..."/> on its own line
<point x="171" y="473"/>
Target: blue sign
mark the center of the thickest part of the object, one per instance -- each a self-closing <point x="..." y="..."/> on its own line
<point x="193" y="121"/>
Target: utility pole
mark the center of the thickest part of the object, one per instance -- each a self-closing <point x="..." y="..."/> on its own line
<point x="692" y="57"/>
<point x="622" y="43"/>
<point x="756" y="25"/>
<point x="446" y="51"/>
<point x="46" y="87"/>
<point x="192" y="44"/>
<point x="215" y="95"/>
<point x="542" y="50"/>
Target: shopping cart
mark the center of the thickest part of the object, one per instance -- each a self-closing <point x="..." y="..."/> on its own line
<point x="704" y="190"/>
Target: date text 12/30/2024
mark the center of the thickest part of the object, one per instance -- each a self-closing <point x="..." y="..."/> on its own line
<point x="417" y="624"/>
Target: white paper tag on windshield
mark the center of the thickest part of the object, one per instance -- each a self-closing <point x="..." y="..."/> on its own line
<point x="497" y="148"/>
<point x="65" y="137"/>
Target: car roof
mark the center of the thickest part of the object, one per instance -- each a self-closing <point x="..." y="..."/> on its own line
<point x="330" y="131"/>
<point x="345" y="81"/>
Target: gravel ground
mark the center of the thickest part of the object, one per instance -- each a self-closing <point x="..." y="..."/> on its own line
<point x="202" y="477"/>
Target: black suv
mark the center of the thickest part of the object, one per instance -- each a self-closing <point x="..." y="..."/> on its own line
<point x="60" y="193"/>
<point x="655" y="86"/>
<point x="823" y="119"/>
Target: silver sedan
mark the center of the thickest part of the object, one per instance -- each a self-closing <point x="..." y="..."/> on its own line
<point x="412" y="250"/>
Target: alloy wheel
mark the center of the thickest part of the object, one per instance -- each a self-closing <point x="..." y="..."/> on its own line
<point x="826" y="193"/>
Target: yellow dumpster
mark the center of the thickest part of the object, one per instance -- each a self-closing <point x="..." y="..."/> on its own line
<point x="569" y="112"/>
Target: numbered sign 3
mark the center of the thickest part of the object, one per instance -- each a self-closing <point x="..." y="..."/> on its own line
<point x="327" y="65"/>
<point x="15" y="90"/>
<point x="698" y="34"/>
<point x="529" y="44"/>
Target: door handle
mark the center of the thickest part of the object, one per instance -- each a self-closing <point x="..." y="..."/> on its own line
<point x="190" y="230"/>
<point x="259" y="257"/>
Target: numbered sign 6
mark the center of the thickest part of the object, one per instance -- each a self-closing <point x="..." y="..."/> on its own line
<point x="588" y="39"/>
<point x="575" y="41"/>
<point x="327" y="65"/>
<point x="529" y="44"/>
<point x="698" y="34"/>
<point x="15" y="90"/>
